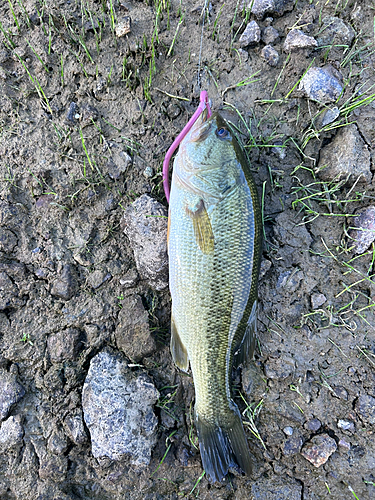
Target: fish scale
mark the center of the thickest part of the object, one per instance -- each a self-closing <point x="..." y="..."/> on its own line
<point x="213" y="285"/>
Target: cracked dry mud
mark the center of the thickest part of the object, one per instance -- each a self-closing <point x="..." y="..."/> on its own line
<point x="84" y="130"/>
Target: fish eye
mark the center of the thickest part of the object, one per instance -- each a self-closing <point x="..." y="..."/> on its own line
<point x="222" y="133"/>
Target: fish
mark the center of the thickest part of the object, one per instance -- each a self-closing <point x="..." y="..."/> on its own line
<point x="214" y="247"/>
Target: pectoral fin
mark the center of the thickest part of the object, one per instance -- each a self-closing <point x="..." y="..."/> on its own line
<point x="247" y="346"/>
<point x="178" y="349"/>
<point x="202" y="228"/>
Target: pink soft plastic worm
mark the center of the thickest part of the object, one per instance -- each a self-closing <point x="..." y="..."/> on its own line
<point x="202" y="105"/>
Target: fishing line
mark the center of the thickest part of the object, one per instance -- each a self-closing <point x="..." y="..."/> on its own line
<point x="201" y="45"/>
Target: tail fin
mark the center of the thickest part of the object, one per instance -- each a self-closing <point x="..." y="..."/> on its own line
<point x="223" y="447"/>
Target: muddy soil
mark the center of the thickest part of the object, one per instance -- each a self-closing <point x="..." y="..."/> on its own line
<point x="86" y="117"/>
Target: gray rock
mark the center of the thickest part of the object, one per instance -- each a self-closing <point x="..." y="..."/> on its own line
<point x="292" y="446"/>
<point x="148" y="172"/>
<point x="288" y="431"/>
<point x="265" y="266"/>
<point x="146" y="227"/>
<point x="261" y="7"/>
<point x="73" y="425"/>
<point x="123" y="27"/>
<point x="251" y="35"/>
<point x="344" y="445"/>
<point x="98" y="277"/>
<point x="318" y="84"/>
<point x="340" y="392"/>
<point x="8" y="240"/>
<point x="10" y="393"/>
<point x="118" y="163"/>
<point x="64" y="287"/>
<point x="276" y="488"/>
<point x="132" y="334"/>
<point x="64" y="345"/>
<point x="129" y="279"/>
<point x="296" y="39"/>
<point x="313" y="425"/>
<point x="270" y="55"/>
<point x="117" y="406"/>
<point x="269" y="35"/>
<point x="335" y="31"/>
<point x="365" y="408"/>
<point x="318" y="450"/>
<point x="317" y="300"/>
<point x="362" y="229"/>
<point x="72" y="111"/>
<point x="330" y="116"/>
<point x="347" y="156"/>
<point x="57" y="442"/>
<point x="346" y="425"/>
<point x="88" y="115"/>
<point x="11" y="432"/>
<point x="279" y="368"/>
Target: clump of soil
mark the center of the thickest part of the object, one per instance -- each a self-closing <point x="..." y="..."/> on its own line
<point x="92" y="95"/>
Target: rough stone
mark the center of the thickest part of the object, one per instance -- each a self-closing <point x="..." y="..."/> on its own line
<point x="261" y="7"/>
<point x="347" y="156"/>
<point x="146" y="228"/>
<point x="64" y="287"/>
<point x="276" y="488"/>
<point x="346" y="425"/>
<point x="330" y="116"/>
<point x="365" y="408"/>
<point x="318" y="450"/>
<point x="98" y="277"/>
<point x="292" y="446"/>
<point x="313" y="425"/>
<point x="117" y="406"/>
<point x="288" y="431"/>
<point x="123" y="27"/>
<point x="296" y="39"/>
<point x="340" y="392"/>
<point x="73" y="425"/>
<point x="269" y="35"/>
<point x="279" y="368"/>
<point x="8" y="240"/>
<point x="317" y="300"/>
<point x="344" y="446"/>
<point x="335" y="31"/>
<point x="64" y="345"/>
<point x="10" y="393"/>
<point x="362" y="229"/>
<point x="270" y="55"/>
<point x="57" y="442"/>
<point x="251" y="35"/>
<point x="318" y="84"/>
<point x="88" y="115"/>
<point x="132" y="334"/>
<point x="11" y="432"/>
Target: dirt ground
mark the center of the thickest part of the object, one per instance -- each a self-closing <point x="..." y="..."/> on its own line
<point x="86" y="117"/>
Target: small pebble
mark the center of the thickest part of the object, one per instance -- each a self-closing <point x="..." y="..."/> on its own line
<point x="260" y="7"/>
<point x="251" y="35"/>
<point x="292" y="445"/>
<point x="288" y="431"/>
<point x="318" y="450"/>
<point x="317" y="300"/>
<point x="362" y="232"/>
<point x="365" y="408"/>
<point x="123" y="27"/>
<point x="269" y="35"/>
<point x="313" y="425"/>
<point x="344" y="446"/>
<point x="346" y="425"/>
<point x="270" y="55"/>
<point x="296" y="39"/>
<point x="148" y="172"/>
<point x="340" y="392"/>
<point x="330" y="116"/>
<point x="72" y="111"/>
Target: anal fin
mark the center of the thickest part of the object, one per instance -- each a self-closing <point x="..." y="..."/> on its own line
<point x="178" y="349"/>
<point x="247" y="346"/>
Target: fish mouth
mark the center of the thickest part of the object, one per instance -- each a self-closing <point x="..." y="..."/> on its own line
<point x="201" y="128"/>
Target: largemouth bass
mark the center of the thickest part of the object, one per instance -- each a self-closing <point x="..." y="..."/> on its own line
<point x="214" y="246"/>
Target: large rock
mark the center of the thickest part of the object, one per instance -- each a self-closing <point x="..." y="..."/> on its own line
<point x="296" y="39"/>
<point x="10" y="392"/>
<point x="11" y="432"/>
<point x="146" y="227"/>
<point x="335" y="31"/>
<point x="133" y="335"/>
<point x="346" y="156"/>
<point x="319" y="84"/>
<point x="117" y="406"/>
